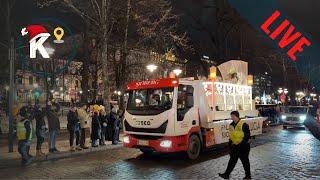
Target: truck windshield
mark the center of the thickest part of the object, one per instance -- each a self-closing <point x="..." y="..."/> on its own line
<point x="297" y="110"/>
<point x="150" y="101"/>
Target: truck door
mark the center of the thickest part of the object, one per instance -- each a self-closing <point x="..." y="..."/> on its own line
<point x="186" y="112"/>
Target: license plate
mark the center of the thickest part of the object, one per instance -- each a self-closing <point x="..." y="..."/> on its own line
<point x="143" y="142"/>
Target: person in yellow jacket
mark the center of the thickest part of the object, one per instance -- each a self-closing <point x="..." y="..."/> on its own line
<point x="24" y="135"/>
<point x="239" y="134"/>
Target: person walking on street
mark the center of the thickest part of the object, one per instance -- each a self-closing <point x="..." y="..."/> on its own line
<point x="73" y="127"/>
<point x="239" y="134"/>
<point x="24" y="135"/>
<point x="115" y="126"/>
<point x="95" y="126"/>
<point x="103" y="123"/>
<point x="54" y="127"/>
<point x="40" y="129"/>
<point x="83" y="118"/>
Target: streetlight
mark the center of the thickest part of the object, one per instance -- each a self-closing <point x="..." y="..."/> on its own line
<point x="152" y="67"/>
<point x="177" y="71"/>
<point x="280" y="90"/>
<point x="313" y="95"/>
<point x="285" y="91"/>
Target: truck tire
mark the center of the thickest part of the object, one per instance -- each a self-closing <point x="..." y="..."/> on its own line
<point x="146" y="151"/>
<point x="194" y="147"/>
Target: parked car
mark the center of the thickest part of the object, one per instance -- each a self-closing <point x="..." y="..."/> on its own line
<point x="294" y="116"/>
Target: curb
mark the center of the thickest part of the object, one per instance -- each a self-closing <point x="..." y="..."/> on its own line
<point x="67" y="154"/>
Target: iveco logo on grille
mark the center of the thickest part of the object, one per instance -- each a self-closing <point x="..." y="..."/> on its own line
<point x="140" y="123"/>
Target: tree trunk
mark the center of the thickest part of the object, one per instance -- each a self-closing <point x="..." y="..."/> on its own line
<point x="104" y="60"/>
<point x="85" y="70"/>
<point x="124" y="52"/>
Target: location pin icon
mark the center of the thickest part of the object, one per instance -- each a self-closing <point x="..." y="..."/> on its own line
<point x="58" y="33"/>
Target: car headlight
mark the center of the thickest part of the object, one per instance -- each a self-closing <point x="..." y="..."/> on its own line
<point x="283" y="117"/>
<point x="166" y="143"/>
<point x="303" y="118"/>
<point x="126" y="139"/>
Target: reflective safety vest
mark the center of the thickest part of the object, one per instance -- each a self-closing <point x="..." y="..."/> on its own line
<point x="236" y="134"/>
<point x="22" y="132"/>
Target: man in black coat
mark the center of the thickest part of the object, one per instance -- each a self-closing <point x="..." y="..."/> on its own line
<point x="73" y="127"/>
<point x="41" y="129"/>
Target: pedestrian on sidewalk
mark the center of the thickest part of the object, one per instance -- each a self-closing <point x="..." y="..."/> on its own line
<point x="73" y="127"/>
<point x="239" y="134"/>
<point x="84" y="125"/>
<point x="41" y="129"/>
<point x="24" y="135"/>
<point x="116" y="125"/>
<point x="95" y="126"/>
<point x="54" y="127"/>
<point x="103" y="123"/>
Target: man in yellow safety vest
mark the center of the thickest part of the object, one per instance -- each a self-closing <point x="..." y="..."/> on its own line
<point x="24" y="135"/>
<point x="239" y="134"/>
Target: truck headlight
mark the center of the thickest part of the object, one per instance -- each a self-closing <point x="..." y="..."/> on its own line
<point x="303" y="118"/>
<point x="166" y="143"/>
<point x="283" y="117"/>
<point x="126" y="139"/>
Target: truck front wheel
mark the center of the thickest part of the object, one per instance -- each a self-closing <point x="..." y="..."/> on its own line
<point x="194" y="147"/>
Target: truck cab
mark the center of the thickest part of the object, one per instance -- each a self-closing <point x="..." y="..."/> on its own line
<point x="172" y="115"/>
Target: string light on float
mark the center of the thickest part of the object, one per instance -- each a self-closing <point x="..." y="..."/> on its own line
<point x="250" y="80"/>
<point x="213" y="73"/>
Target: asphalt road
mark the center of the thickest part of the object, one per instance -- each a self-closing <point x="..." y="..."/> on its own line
<point x="277" y="154"/>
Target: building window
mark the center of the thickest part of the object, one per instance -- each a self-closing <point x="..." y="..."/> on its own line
<point x="38" y="80"/>
<point x="19" y="79"/>
<point x="38" y="67"/>
<point x="30" y="80"/>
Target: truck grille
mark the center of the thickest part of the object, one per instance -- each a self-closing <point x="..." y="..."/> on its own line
<point x="160" y="129"/>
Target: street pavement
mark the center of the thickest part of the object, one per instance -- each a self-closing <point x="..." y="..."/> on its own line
<point x="277" y="154"/>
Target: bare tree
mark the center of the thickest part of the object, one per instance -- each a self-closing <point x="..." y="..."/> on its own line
<point x="151" y="23"/>
<point x="98" y="19"/>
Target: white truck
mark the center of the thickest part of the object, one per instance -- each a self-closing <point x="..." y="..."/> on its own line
<point x="173" y="115"/>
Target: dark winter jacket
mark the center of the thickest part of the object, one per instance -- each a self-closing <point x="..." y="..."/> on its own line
<point x="103" y="119"/>
<point x="73" y="120"/>
<point x="53" y="120"/>
<point x="95" y="127"/>
<point x="40" y="123"/>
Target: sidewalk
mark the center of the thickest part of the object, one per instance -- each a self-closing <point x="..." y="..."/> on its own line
<point x="13" y="159"/>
